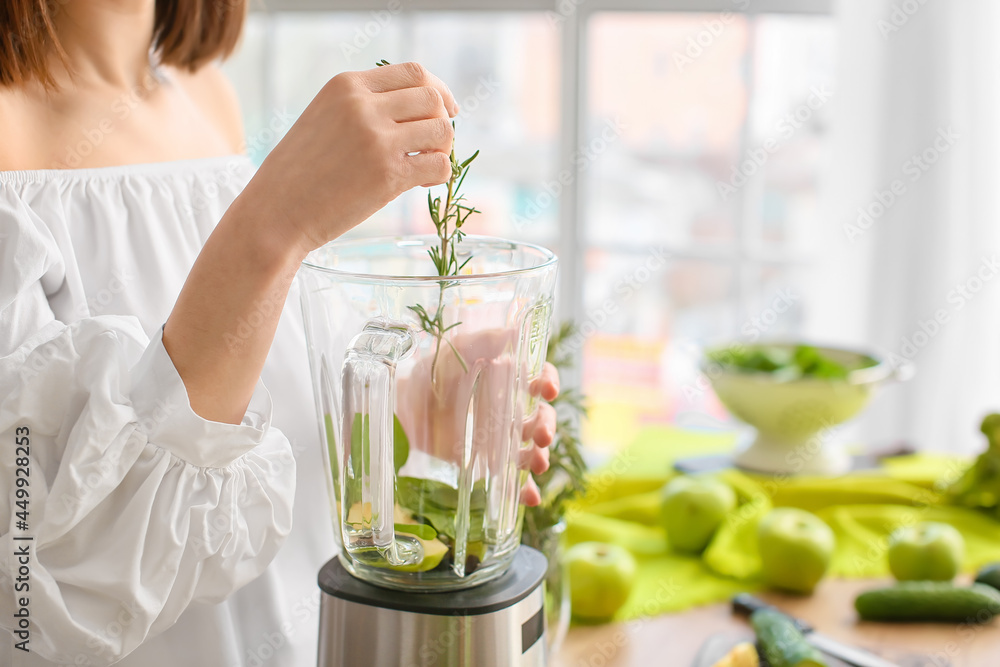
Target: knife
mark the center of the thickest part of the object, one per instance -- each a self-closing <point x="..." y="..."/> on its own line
<point x="746" y="604"/>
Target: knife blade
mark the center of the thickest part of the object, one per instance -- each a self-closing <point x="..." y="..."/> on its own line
<point x="745" y="604"/>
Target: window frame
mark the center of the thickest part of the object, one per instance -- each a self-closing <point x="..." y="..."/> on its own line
<point x="574" y="18"/>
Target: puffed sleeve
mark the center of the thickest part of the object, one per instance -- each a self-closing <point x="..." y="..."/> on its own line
<point x="136" y="506"/>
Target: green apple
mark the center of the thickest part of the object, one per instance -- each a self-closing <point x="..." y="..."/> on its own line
<point x="929" y="550"/>
<point x="600" y="579"/>
<point x="795" y="549"/>
<point x="691" y="510"/>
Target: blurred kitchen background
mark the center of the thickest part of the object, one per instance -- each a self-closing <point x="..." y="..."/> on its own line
<point x="708" y="170"/>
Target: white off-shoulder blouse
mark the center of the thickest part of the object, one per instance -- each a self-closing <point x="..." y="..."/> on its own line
<point x="155" y="535"/>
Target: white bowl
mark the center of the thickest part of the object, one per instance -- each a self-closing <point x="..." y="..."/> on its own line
<point x="793" y="418"/>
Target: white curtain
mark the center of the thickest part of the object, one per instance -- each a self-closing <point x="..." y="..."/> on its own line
<point x="917" y="78"/>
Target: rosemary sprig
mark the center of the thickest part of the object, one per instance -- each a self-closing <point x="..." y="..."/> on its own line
<point x="448" y="217"/>
<point x="565" y="479"/>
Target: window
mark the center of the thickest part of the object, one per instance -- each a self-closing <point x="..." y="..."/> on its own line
<point x="670" y="152"/>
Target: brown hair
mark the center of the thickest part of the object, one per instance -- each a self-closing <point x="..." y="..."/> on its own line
<point x="186" y="34"/>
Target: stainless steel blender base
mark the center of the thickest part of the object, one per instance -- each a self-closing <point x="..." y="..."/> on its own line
<point x="500" y="623"/>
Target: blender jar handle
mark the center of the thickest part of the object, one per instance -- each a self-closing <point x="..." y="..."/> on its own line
<point x="369" y="396"/>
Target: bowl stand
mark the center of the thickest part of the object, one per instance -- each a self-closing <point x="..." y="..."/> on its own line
<point x="819" y="454"/>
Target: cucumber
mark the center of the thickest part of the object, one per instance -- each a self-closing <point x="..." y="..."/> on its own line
<point x="929" y="601"/>
<point x="989" y="575"/>
<point x="782" y="644"/>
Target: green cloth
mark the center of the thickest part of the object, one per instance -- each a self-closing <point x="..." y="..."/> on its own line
<point x="863" y="508"/>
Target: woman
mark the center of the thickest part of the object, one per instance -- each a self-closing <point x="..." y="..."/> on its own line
<point x="163" y="476"/>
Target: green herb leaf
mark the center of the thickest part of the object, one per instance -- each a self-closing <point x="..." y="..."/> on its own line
<point x="361" y="440"/>
<point x="565" y="478"/>
<point x="422" y="530"/>
<point x="447" y="221"/>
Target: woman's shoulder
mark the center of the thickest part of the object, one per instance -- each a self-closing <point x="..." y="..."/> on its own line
<point x="19" y="129"/>
<point x="210" y="89"/>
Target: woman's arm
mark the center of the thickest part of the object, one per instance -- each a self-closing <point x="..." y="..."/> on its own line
<point x="135" y="502"/>
<point x="365" y="139"/>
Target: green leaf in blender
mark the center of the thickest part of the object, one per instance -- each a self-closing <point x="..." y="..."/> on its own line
<point x="401" y="444"/>
<point x="443" y="521"/>
<point x="361" y="436"/>
<point x="437" y="503"/>
<point x="331" y="439"/>
<point x="415" y="492"/>
<point x="422" y="530"/>
<point x="331" y="448"/>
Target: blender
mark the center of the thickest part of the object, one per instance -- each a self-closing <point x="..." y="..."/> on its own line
<point x="423" y="388"/>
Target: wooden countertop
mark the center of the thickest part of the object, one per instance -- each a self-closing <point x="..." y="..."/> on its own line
<point x="673" y="640"/>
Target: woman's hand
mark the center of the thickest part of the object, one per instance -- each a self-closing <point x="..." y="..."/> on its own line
<point x="541" y="431"/>
<point x="366" y="138"/>
<point x="435" y="416"/>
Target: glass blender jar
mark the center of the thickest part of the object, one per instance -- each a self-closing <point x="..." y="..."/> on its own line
<point x="422" y="385"/>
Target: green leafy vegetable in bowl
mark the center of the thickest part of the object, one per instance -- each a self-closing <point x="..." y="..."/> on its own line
<point x="789" y="362"/>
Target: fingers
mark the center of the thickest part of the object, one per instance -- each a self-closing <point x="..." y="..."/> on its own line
<point x="434" y="134"/>
<point x="535" y="459"/>
<point x="542" y="426"/>
<point x="540" y="460"/>
<point x="546" y="385"/>
<point x="412" y="104"/>
<point x="428" y="169"/>
<point x="530" y="495"/>
<point x="407" y="75"/>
